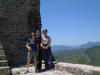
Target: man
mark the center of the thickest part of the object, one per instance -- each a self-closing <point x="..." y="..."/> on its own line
<point x="39" y="59"/>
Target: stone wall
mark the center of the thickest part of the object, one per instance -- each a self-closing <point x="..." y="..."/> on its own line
<point x="78" y="69"/>
<point x="18" y="18"/>
<point x="61" y="69"/>
<point x="4" y="68"/>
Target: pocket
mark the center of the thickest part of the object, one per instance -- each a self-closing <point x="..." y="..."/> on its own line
<point x="29" y="53"/>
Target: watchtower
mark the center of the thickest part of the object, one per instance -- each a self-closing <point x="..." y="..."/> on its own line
<point x="18" y="18"/>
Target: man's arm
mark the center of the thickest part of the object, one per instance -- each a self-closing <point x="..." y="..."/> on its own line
<point x="37" y="49"/>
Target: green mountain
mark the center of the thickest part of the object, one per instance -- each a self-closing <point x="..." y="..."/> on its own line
<point x="68" y="47"/>
<point x="89" y="56"/>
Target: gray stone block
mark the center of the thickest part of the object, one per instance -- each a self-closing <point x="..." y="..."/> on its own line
<point x="3" y="63"/>
<point x="4" y="71"/>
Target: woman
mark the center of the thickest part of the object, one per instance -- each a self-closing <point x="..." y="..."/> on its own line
<point x="32" y="47"/>
<point x="46" y="51"/>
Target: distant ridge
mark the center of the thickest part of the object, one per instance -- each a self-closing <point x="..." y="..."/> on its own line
<point x="67" y="47"/>
<point x="89" y="44"/>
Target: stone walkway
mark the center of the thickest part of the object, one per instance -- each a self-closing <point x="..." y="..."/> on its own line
<point x="21" y="71"/>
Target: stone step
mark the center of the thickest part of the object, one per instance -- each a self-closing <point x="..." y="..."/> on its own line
<point x="3" y="63"/>
<point x="1" y="51"/>
<point x="2" y="57"/>
<point x="1" y="47"/>
<point x="5" y="70"/>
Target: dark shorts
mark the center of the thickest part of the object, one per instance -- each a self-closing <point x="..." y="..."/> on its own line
<point x="31" y="55"/>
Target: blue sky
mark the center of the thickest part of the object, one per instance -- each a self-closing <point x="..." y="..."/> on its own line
<point x="71" y="22"/>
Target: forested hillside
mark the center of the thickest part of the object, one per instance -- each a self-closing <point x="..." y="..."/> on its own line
<point x="90" y="56"/>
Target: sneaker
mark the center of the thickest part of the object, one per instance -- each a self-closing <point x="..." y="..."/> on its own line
<point x="37" y="71"/>
<point x="46" y="69"/>
<point x="52" y="69"/>
<point x="27" y="71"/>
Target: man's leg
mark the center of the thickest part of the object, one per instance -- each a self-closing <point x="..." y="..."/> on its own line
<point x="39" y="63"/>
<point x="35" y="61"/>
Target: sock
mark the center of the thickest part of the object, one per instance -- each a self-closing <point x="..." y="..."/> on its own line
<point x="27" y="69"/>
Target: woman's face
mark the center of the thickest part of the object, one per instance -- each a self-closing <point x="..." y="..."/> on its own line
<point x="33" y="36"/>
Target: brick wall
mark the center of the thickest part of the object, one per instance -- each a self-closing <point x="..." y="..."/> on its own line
<point x="18" y="18"/>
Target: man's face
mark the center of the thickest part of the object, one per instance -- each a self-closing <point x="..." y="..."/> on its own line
<point x="38" y="33"/>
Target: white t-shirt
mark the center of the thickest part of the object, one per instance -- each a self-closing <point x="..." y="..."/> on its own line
<point x="46" y="40"/>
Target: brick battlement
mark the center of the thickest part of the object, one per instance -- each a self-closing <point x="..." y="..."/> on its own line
<point x="18" y="18"/>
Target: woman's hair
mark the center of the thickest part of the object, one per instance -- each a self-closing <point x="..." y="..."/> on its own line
<point x="45" y="30"/>
<point x="32" y="34"/>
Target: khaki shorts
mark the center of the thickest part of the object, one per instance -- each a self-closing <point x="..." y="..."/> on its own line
<point x="31" y="55"/>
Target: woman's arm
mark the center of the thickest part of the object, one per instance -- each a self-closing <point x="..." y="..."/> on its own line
<point x="41" y="45"/>
<point x="28" y="47"/>
<point x="49" y="44"/>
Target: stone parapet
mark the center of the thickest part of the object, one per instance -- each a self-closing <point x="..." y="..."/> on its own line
<point x="79" y="69"/>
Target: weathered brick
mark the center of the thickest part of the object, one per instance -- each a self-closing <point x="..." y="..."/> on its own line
<point x="18" y="18"/>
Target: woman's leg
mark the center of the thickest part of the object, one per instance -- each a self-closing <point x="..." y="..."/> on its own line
<point x="35" y="62"/>
<point x="51" y="58"/>
<point x="28" y="63"/>
<point x="51" y="64"/>
<point x="45" y="54"/>
<point x="46" y="64"/>
<point x="35" y="59"/>
<point x="28" y="60"/>
<point x="46" y="59"/>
